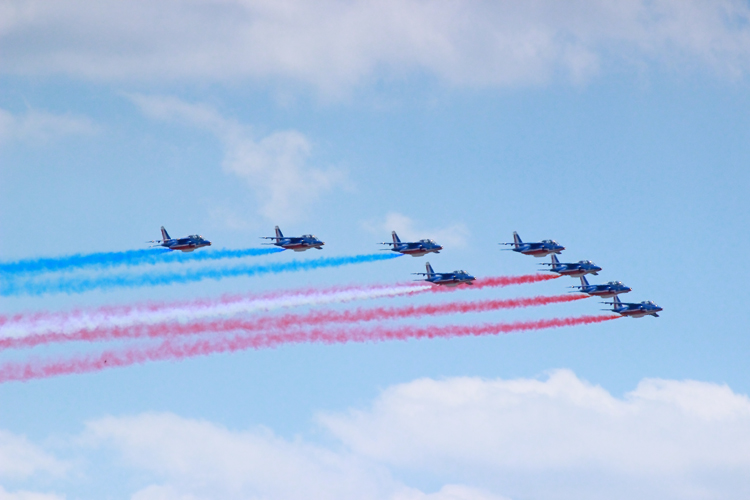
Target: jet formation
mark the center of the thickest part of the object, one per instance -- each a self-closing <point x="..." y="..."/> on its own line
<point x="605" y="291"/>
<point x="413" y="248"/>
<point x="579" y="270"/>
<point x="632" y="309"/>
<point x="296" y="243"/>
<point x="423" y="247"/>
<point x="447" y="279"/>
<point x="574" y="269"/>
<point x="538" y="249"/>
<point x="186" y="244"/>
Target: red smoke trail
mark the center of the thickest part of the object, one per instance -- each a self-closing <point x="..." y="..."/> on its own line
<point x="172" y="349"/>
<point x="314" y="318"/>
<point x="42" y="323"/>
<point x="499" y="281"/>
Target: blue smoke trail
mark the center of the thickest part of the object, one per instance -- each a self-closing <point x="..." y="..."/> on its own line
<point x="105" y="260"/>
<point x="80" y="285"/>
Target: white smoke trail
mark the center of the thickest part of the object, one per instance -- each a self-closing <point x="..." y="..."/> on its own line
<point x="64" y="323"/>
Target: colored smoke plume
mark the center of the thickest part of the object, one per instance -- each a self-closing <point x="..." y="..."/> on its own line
<point x="42" y="323"/>
<point x="105" y="260"/>
<point x="271" y="323"/>
<point x="22" y="325"/>
<point x="85" y="284"/>
<point x="174" y="349"/>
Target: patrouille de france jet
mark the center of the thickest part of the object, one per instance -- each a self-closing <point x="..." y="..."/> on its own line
<point x="606" y="291"/>
<point x="574" y="269"/>
<point x="413" y="248"/>
<point x="187" y="244"/>
<point x="448" y="279"/>
<point x="537" y="249"/>
<point x="296" y="243"/>
<point x="634" y="310"/>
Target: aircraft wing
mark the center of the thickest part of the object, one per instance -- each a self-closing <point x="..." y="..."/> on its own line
<point x="270" y="238"/>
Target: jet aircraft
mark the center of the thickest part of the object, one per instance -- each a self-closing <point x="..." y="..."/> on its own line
<point x="634" y="310"/>
<point x="538" y="249"/>
<point x="448" y="279"/>
<point x="296" y="243"/>
<point x="187" y="244"/>
<point x="413" y="248"/>
<point x="574" y="269"/>
<point x="606" y="291"/>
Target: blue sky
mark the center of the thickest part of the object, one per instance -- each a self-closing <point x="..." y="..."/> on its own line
<point x="620" y="130"/>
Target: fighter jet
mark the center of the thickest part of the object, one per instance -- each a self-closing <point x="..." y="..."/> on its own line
<point x="574" y="269"/>
<point x="187" y="244"/>
<point x="606" y="291"/>
<point x="413" y="248"/>
<point x="448" y="279"/>
<point x="539" y="249"/>
<point x="296" y="243"/>
<point x="634" y="310"/>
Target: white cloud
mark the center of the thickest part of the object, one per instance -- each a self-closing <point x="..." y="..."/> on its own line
<point x="201" y="460"/>
<point x="27" y="495"/>
<point x="558" y="438"/>
<point x="35" y="126"/>
<point x="665" y="439"/>
<point x="449" y="492"/>
<point x="275" y="167"/>
<point x="455" y="235"/>
<point x="335" y="44"/>
<point x="20" y="459"/>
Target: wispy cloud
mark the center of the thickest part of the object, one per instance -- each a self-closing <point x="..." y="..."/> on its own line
<point x="27" y="495"/>
<point x="36" y="126"/>
<point x="21" y="459"/>
<point x="276" y="167"/>
<point x="455" y="235"/>
<point x="337" y="44"/>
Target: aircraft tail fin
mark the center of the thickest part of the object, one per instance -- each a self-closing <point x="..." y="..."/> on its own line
<point x="396" y="239"/>
<point x="278" y="232"/>
<point x="555" y="262"/>
<point x="517" y="239"/>
<point x="430" y="271"/>
<point x="616" y="302"/>
<point x="164" y="234"/>
<point x="584" y="282"/>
